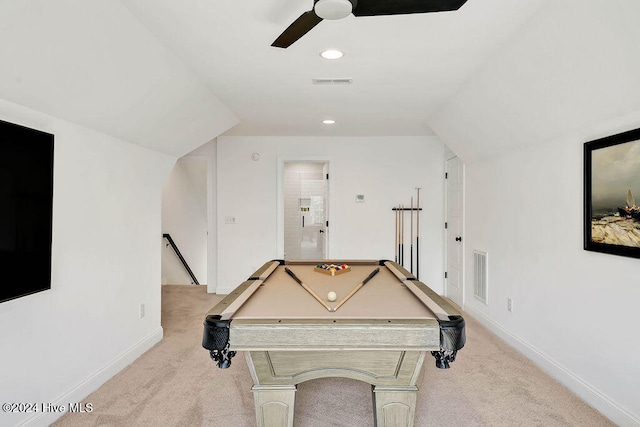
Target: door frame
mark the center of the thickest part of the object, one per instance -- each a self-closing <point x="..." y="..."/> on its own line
<point x="280" y="200"/>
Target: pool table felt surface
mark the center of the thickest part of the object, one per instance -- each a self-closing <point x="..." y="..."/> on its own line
<point x="383" y="297"/>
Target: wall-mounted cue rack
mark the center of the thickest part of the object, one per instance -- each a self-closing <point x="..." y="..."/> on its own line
<point x="400" y="211"/>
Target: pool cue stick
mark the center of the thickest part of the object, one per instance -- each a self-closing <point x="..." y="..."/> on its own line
<point x="357" y="288"/>
<point x="418" y="235"/>
<point x="411" y="234"/>
<point x="400" y="234"/>
<point x="396" y="233"/>
<point x="402" y="237"/>
<point x="308" y="289"/>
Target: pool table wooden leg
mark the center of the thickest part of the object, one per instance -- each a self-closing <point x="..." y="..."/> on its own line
<point x="394" y="406"/>
<point x="274" y="405"/>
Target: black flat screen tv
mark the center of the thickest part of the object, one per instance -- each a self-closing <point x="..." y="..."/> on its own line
<point x="26" y="209"/>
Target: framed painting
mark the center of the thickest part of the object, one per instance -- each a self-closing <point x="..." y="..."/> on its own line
<point x="611" y="176"/>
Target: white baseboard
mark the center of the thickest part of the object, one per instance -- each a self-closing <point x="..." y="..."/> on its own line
<point x="93" y="382"/>
<point x="584" y="390"/>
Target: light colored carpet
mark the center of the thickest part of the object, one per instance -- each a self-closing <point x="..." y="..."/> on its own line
<point x="177" y="384"/>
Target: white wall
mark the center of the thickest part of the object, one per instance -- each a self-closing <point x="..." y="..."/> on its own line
<point x="208" y="153"/>
<point x="385" y="169"/>
<point x="575" y="312"/>
<point x="59" y="345"/>
<point x="185" y="218"/>
<point x="568" y="77"/>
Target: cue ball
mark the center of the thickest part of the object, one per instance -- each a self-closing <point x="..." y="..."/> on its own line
<point x="331" y="296"/>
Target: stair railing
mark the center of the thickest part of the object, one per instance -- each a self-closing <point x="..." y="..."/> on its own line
<point x="181" y="258"/>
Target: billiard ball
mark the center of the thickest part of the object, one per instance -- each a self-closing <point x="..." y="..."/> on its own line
<point x="331" y="296"/>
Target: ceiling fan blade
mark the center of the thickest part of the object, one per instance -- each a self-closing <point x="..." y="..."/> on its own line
<point x="401" y="7"/>
<point x="299" y="28"/>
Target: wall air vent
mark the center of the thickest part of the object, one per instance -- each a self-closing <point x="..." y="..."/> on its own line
<point x="481" y="275"/>
<point x="340" y="81"/>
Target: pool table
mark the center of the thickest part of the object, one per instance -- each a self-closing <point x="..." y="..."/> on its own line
<point x="281" y="318"/>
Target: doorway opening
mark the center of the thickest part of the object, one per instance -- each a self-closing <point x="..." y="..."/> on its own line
<point x="305" y="198"/>
<point x="185" y="223"/>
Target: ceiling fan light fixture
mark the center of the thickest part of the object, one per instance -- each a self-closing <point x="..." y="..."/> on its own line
<point x="333" y="9"/>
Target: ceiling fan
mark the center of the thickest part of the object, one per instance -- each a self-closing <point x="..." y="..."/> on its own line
<point x="338" y="9"/>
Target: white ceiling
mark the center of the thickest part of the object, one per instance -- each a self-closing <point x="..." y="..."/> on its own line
<point x="95" y="64"/>
<point x="403" y="67"/>
<point x="172" y="75"/>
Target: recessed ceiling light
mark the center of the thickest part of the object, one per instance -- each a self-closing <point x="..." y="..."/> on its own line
<point x="328" y="121"/>
<point x="331" y="54"/>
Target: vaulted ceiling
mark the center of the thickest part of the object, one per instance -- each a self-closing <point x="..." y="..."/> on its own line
<point x="172" y="75"/>
<point x="403" y="67"/>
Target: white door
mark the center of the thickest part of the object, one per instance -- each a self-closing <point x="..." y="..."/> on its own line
<point x="454" y="238"/>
